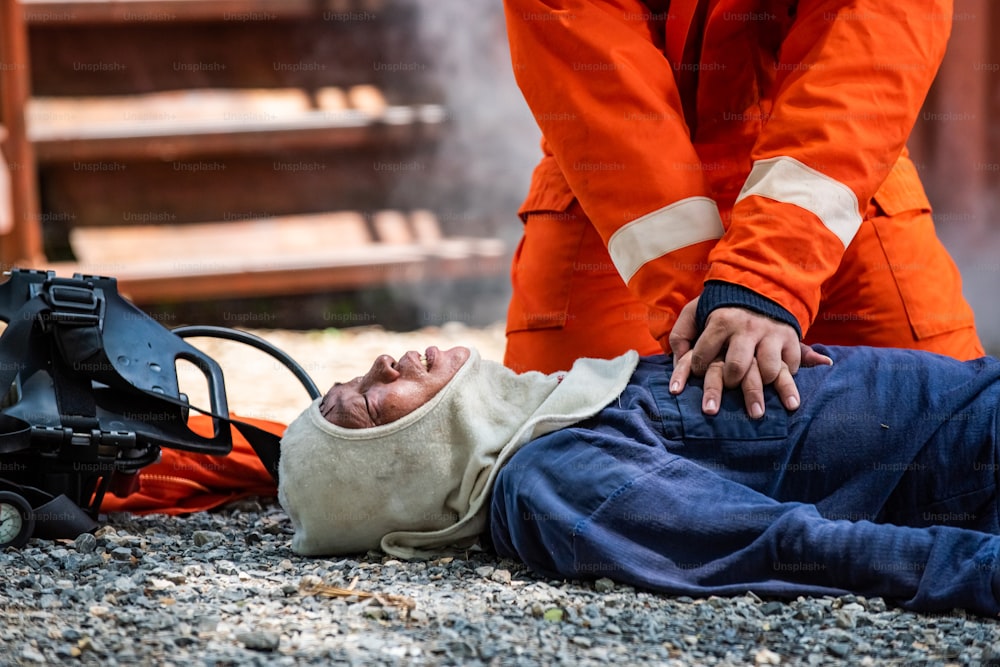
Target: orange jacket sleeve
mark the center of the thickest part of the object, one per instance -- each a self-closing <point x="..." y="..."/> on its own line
<point x="182" y="481"/>
<point x="596" y="78"/>
<point x="850" y="79"/>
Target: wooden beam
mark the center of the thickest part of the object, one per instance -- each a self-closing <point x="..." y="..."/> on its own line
<point x="153" y="127"/>
<point x="156" y="284"/>
<point x="276" y="256"/>
<point x="22" y="244"/>
<point x="79" y="12"/>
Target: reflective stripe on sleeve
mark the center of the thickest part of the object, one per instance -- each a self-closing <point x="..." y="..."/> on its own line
<point x="656" y="234"/>
<point x="785" y="179"/>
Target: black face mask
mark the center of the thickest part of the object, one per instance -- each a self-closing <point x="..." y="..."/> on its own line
<point x="91" y="395"/>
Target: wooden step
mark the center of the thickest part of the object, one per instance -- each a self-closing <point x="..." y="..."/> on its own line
<point x="176" y="125"/>
<point x="48" y="12"/>
<point x="280" y="255"/>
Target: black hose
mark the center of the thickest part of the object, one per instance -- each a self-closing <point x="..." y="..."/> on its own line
<point x="208" y="331"/>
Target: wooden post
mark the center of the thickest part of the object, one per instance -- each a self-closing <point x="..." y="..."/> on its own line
<point x="22" y="244"/>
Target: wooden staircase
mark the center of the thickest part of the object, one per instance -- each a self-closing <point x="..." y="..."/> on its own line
<point x="203" y="149"/>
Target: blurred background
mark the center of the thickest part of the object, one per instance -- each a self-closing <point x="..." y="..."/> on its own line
<point x="341" y="163"/>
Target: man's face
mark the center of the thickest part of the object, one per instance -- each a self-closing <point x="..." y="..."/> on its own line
<point x="391" y="389"/>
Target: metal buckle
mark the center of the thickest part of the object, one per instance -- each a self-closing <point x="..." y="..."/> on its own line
<point x="72" y="297"/>
<point x="72" y="302"/>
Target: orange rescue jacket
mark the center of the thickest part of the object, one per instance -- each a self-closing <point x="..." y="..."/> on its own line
<point x="726" y="140"/>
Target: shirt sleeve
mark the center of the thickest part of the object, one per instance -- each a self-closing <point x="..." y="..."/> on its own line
<point x="850" y="79"/>
<point x="595" y="76"/>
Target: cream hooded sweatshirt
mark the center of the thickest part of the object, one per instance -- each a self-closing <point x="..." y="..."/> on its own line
<point x="419" y="486"/>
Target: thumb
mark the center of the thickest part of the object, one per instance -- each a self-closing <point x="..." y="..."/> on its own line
<point x="811" y="357"/>
<point x="685" y="330"/>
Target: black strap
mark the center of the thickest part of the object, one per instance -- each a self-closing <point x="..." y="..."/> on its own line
<point x="264" y="443"/>
<point x="15" y="344"/>
<point x="15" y="434"/>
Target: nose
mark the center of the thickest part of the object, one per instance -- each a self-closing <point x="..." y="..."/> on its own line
<point x="383" y="369"/>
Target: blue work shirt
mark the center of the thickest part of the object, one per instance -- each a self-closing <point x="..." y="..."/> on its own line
<point x="884" y="483"/>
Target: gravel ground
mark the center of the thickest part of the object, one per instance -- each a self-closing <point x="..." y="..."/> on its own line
<point x="224" y="588"/>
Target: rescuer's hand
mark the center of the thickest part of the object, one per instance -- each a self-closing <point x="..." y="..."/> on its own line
<point x="738" y="348"/>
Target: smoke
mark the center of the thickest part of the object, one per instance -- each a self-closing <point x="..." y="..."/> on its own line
<point x="491" y="145"/>
<point x="481" y="168"/>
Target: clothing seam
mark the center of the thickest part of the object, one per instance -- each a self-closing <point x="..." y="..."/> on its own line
<point x="579" y="526"/>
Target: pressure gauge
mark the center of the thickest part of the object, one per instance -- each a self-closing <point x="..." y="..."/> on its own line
<point x="17" y="521"/>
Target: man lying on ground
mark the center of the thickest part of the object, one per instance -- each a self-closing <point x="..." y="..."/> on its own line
<point x="884" y="482"/>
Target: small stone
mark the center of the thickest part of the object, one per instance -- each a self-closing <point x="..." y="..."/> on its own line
<point x="838" y="649"/>
<point x="29" y="654"/>
<point x="766" y="657"/>
<point x="580" y="640"/>
<point x="876" y="605"/>
<point x="175" y="578"/>
<point x="460" y="651"/>
<point x="194" y="570"/>
<point x="107" y="532"/>
<point x="208" y="624"/>
<point x="771" y="608"/>
<point x="855" y="608"/>
<point x="310" y="581"/>
<point x="485" y="571"/>
<point x="225" y="567"/>
<point x="843" y="619"/>
<point x="155" y="584"/>
<point x="89" y="644"/>
<point x="85" y="543"/>
<point x="604" y="585"/>
<point x="121" y="554"/>
<point x="210" y="538"/>
<point x="259" y="640"/>
<point x="274" y="528"/>
<point x="553" y="615"/>
<point x="501" y="576"/>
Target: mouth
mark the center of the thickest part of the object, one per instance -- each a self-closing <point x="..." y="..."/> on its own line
<point x="428" y="357"/>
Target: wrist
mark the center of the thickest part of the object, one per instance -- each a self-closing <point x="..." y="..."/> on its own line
<point x="720" y="294"/>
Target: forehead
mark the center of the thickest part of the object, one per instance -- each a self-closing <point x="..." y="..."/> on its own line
<point x="343" y="404"/>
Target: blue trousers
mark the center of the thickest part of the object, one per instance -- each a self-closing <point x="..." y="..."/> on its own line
<point x="884" y="483"/>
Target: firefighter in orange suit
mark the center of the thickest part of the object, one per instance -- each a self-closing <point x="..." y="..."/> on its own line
<point x="729" y="176"/>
